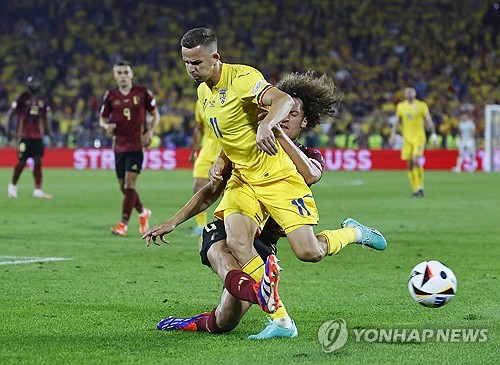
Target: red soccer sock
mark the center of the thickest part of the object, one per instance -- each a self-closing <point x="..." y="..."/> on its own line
<point x="138" y="204"/>
<point x="209" y="323"/>
<point x="128" y="203"/>
<point x="240" y="285"/>
<point x="37" y="174"/>
<point x="17" y="172"/>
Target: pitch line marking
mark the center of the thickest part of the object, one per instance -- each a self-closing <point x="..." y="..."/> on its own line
<point x="18" y="260"/>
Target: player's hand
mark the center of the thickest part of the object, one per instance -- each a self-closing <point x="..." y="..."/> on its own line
<point x="278" y="131"/>
<point x="158" y="231"/>
<point x="192" y="156"/>
<point x="434" y="140"/>
<point x="110" y="127"/>
<point x="215" y="171"/>
<point x="146" y="139"/>
<point x="266" y="140"/>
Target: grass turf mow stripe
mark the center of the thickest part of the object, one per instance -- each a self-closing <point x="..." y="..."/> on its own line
<point x="18" y="260"/>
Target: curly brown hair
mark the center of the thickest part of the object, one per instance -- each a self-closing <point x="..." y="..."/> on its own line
<point x="317" y="93"/>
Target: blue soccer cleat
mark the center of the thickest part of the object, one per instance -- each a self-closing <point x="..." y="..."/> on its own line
<point x="180" y="324"/>
<point x="274" y="330"/>
<point x="369" y="236"/>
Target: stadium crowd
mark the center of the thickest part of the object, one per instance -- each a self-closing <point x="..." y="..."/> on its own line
<point x="448" y="50"/>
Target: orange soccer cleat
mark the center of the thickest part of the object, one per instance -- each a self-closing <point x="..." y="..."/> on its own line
<point x="144" y="220"/>
<point x="120" y="229"/>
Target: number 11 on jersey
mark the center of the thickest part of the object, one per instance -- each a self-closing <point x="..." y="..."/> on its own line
<point x="215" y="127"/>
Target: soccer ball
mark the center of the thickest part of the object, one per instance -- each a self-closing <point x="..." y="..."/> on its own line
<point x="432" y="284"/>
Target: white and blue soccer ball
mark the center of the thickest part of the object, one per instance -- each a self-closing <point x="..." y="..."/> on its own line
<point x="432" y="284"/>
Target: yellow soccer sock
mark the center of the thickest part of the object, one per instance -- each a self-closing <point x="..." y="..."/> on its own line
<point x="255" y="268"/>
<point x="280" y="313"/>
<point x="419" y="172"/>
<point x="412" y="178"/>
<point x="339" y="238"/>
<point x="201" y="219"/>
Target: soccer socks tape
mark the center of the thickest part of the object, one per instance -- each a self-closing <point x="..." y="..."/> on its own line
<point x="337" y="239"/>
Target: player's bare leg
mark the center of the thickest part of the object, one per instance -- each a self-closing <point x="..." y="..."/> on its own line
<point x="310" y="247"/>
<point x="127" y="186"/>
<point x="227" y="315"/>
<point x="38" y="193"/>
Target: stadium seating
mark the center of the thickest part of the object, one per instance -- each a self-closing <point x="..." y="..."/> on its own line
<point x="372" y="48"/>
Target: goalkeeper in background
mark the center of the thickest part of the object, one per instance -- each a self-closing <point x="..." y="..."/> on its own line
<point x="414" y="117"/>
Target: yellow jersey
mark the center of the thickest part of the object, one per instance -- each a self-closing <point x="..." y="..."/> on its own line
<point x="209" y="145"/>
<point x="231" y="108"/>
<point x="412" y="119"/>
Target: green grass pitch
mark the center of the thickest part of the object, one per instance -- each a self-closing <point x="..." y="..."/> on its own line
<point x="102" y="306"/>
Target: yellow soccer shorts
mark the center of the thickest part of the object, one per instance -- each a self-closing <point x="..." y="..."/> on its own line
<point x="203" y="163"/>
<point x="289" y="201"/>
<point x="412" y="148"/>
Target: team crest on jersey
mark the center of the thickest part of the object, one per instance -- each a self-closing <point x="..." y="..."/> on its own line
<point x="136" y="99"/>
<point x="222" y="96"/>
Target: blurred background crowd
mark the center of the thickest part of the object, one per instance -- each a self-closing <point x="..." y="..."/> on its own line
<point x="448" y="50"/>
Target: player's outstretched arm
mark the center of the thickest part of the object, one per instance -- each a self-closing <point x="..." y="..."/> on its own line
<point x="199" y="202"/>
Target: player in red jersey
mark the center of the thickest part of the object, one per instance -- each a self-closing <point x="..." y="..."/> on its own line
<point x="31" y="110"/>
<point x="313" y="97"/>
<point x="123" y="113"/>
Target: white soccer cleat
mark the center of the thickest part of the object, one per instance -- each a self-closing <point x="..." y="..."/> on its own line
<point x="12" y="191"/>
<point x="39" y="194"/>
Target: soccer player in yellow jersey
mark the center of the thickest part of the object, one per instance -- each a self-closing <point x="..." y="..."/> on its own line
<point x="265" y="181"/>
<point x="314" y="95"/>
<point x="414" y="117"/>
<point x="202" y="160"/>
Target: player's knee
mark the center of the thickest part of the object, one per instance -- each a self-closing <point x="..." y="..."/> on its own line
<point x="216" y="259"/>
<point x="212" y="255"/>
<point x="238" y="247"/>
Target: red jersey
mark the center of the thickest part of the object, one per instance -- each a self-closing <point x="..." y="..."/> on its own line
<point x="31" y="111"/>
<point x="128" y="112"/>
